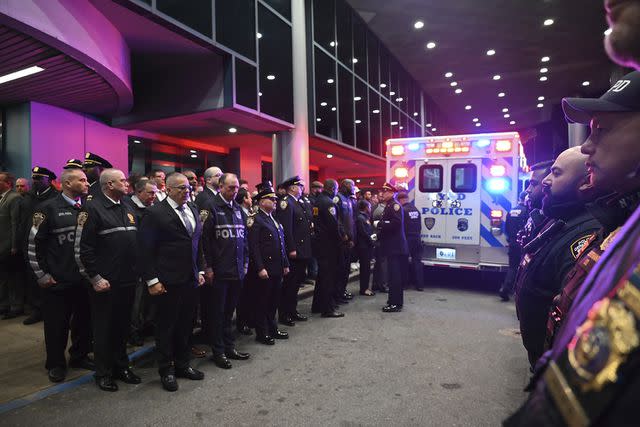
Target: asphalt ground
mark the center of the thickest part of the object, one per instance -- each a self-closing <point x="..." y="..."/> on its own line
<point x="451" y="358"/>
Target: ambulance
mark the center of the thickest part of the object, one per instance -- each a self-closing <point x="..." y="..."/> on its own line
<point x="464" y="186"/>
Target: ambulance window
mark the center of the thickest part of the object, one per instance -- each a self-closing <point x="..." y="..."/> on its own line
<point x="430" y="178"/>
<point x="464" y="178"/>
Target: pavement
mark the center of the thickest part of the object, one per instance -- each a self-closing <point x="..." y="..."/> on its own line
<point x="451" y="358"/>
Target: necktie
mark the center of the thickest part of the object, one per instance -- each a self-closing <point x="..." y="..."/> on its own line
<point x="77" y="206"/>
<point x="185" y="218"/>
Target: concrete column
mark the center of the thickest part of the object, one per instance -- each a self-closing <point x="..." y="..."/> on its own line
<point x="291" y="148"/>
<point x="18" y="142"/>
<point x="578" y="134"/>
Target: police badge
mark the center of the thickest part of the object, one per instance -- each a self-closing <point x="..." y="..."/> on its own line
<point x="131" y="219"/>
<point x="463" y="224"/>
<point x="429" y="222"/>
<point x="238" y="214"/>
<point x="38" y="218"/>
<point x="396" y="207"/>
<point x="283" y="204"/>
<point x="332" y="210"/>
<point x="204" y="214"/>
<point x="82" y="218"/>
<point x="250" y="221"/>
<point x="336" y="199"/>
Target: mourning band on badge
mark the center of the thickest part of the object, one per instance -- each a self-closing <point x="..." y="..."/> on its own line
<point x="283" y="204"/>
<point x="82" y="218"/>
<point x="204" y="214"/>
<point x="250" y="221"/>
<point x="38" y="218"/>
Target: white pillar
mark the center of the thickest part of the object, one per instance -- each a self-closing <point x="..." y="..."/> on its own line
<point x="578" y="134"/>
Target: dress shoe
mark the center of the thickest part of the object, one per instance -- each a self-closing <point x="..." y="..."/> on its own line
<point x="33" y="318"/>
<point x="106" y="383"/>
<point x="12" y="315"/>
<point x="169" y="382"/>
<point x="237" y="355"/>
<point x="83" y="363"/>
<point x="57" y="374"/>
<point x="196" y="352"/>
<point x="342" y="301"/>
<point x="348" y="295"/>
<point x="245" y="330"/>
<point x="299" y="317"/>
<point x="266" y="339"/>
<point x="127" y="376"/>
<point x="221" y="361"/>
<point x="333" y="314"/>
<point x="287" y="321"/>
<point x="367" y="293"/>
<point x="281" y="335"/>
<point x="189" y="373"/>
<point x="391" y="308"/>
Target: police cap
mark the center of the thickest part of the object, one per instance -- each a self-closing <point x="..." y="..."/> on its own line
<point x="265" y="193"/>
<point x="73" y="164"/>
<point x="91" y="160"/>
<point x="296" y="180"/>
<point x="388" y="187"/>
<point x="39" y="171"/>
<point x="264" y="184"/>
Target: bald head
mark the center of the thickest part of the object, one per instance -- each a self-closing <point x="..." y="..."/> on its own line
<point x="568" y="174"/>
<point x="113" y="183"/>
<point x="331" y="186"/>
<point x="212" y="177"/>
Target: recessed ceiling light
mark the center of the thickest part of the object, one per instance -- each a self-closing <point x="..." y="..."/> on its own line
<point x="323" y="104"/>
<point x="354" y="60"/>
<point x="541" y="98"/>
<point x="329" y="156"/>
<point x="431" y="45"/>
<point x="392" y="93"/>
<point x="496" y="77"/>
<point x="418" y="25"/>
<point x="401" y="127"/>
<point x="137" y="141"/>
<point x="433" y="129"/>
<point x="193" y="151"/>
<point x="415" y="114"/>
<point x="358" y="180"/>
<point x="383" y="85"/>
<point x="371" y="183"/>
<point x="478" y="125"/>
<point x="505" y="110"/>
<point x="332" y="44"/>
<point x="540" y="105"/>
<point x="467" y="107"/>
<point x="506" y="116"/>
<point x="233" y="130"/>
<point x="358" y="122"/>
<point x="330" y="81"/>
<point x="475" y="120"/>
<point x="458" y="91"/>
<point x="333" y="108"/>
<point x="259" y="35"/>
<point x="428" y="125"/>
<point x="21" y="73"/>
<point x="491" y="52"/>
<point x="512" y="122"/>
<point x="543" y="79"/>
<point x="607" y="32"/>
<point x="501" y="95"/>
<point x="544" y="70"/>
<point x="357" y="98"/>
<point x="453" y="84"/>
<point x="318" y="120"/>
<point x="259" y="93"/>
<point x="548" y="22"/>
<point x="545" y="59"/>
<point x="376" y="111"/>
<point x="400" y="99"/>
<point x="271" y="77"/>
<point x="394" y="123"/>
<point x="586" y="83"/>
<point x="448" y="74"/>
<point x="194" y="156"/>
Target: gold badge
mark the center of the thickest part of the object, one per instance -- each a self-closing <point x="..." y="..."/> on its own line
<point x="38" y="218"/>
<point x="89" y="197"/>
<point x="132" y="220"/>
<point x="283" y="204"/>
<point x="82" y="218"/>
<point x="250" y="221"/>
<point x="609" y="239"/>
<point x="204" y="214"/>
<point x="315" y="211"/>
<point x="580" y="245"/>
<point x="396" y="207"/>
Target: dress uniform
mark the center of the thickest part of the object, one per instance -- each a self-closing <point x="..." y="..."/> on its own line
<point x="346" y="216"/>
<point x="94" y="165"/>
<point x="364" y="249"/>
<point x="412" y="230"/>
<point x="296" y="219"/>
<point x="267" y="251"/>
<point x="66" y="301"/>
<point x="393" y="246"/>
<point x="11" y="294"/>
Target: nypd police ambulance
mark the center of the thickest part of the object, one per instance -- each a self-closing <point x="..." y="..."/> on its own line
<point x="464" y="186"/>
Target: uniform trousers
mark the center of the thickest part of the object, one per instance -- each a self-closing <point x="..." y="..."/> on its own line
<point x="66" y="310"/>
<point x="290" y="287"/>
<point x="379" y="271"/>
<point x="395" y="264"/>
<point x="11" y="287"/>
<point x="364" y="258"/>
<point x="111" y="314"/>
<point x="226" y="293"/>
<point x="323" y="294"/>
<point x="174" y="321"/>
<point x="413" y="271"/>
<point x="342" y="273"/>
<point x="143" y="311"/>
<point x="266" y="293"/>
<point x="244" y="308"/>
<point x="533" y="313"/>
<point x="515" y="253"/>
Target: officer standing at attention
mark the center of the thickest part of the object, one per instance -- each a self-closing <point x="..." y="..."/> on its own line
<point x="268" y="264"/>
<point x="412" y="230"/>
<point x="173" y="264"/>
<point x="327" y="240"/>
<point x="296" y="220"/>
<point x="536" y="220"/>
<point x="393" y="246"/>
<point x="346" y="216"/>
<point x="227" y="260"/>
<point x="212" y="182"/>
<point x="11" y="296"/>
<point x="65" y="290"/>
<point x="106" y="254"/>
<point x="93" y="166"/>
<point x="516" y="219"/>
<point x="364" y="247"/>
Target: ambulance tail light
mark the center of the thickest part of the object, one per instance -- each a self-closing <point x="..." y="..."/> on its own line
<point x="497" y="170"/>
<point x="497" y="185"/>
<point x="397" y="150"/>
<point x="401" y="173"/>
<point x="496" y="214"/>
<point x="503" y="146"/>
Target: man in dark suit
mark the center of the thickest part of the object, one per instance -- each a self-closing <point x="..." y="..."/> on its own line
<point x="173" y="268"/>
<point x="212" y="181"/>
<point x="10" y="200"/>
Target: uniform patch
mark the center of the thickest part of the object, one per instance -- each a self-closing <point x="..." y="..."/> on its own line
<point x="38" y="219"/>
<point x="332" y="210"/>
<point x="204" y="214"/>
<point x="315" y="211"/>
<point x="586" y="245"/>
<point x="250" y="221"/>
<point x="132" y="220"/>
<point x="283" y="204"/>
<point x="579" y="245"/>
<point x="82" y="218"/>
<point x="89" y="197"/>
<point x="396" y="207"/>
<point x="336" y="199"/>
<point x="429" y="222"/>
<point x="238" y="214"/>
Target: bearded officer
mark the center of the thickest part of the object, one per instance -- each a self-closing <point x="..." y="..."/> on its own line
<point x="93" y="166"/>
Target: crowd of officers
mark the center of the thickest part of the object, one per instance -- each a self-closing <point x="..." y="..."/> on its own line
<point x="110" y="256"/>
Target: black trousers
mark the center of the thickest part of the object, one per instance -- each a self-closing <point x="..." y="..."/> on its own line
<point x="174" y="321"/>
<point x="66" y="310"/>
<point x="226" y="293"/>
<point x="290" y="286"/>
<point x="364" y="258"/>
<point x="143" y="311"/>
<point x="244" y="316"/>
<point x="413" y="271"/>
<point x="394" y="278"/>
<point x="266" y="293"/>
<point x="342" y="273"/>
<point x="533" y="313"/>
<point x="111" y="314"/>
<point x="323" y="294"/>
<point x="514" y="261"/>
<point x="12" y="283"/>
<point x="379" y="271"/>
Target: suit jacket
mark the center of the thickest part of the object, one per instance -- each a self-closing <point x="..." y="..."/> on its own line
<point x="9" y="223"/>
<point x="168" y="253"/>
<point x="205" y="198"/>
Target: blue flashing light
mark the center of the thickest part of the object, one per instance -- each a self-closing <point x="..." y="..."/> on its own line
<point x="497" y="185"/>
<point x="414" y="146"/>
<point x="481" y="143"/>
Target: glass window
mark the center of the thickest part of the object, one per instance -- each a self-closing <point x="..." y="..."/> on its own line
<point x="374" y="123"/>
<point x="325" y="85"/>
<point x="430" y="178"/>
<point x="373" y="61"/>
<point x="384" y="71"/>
<point x="393" y="81"/>
<point x="404" y="125"/>
<point x="246" y="84"/>
<point x="196" y="14"/>
<point x="276" y="66"/>
<point x="324" y="24"/>
<point x="395" y="122"/>
<point x="385" y="111"/>
<point x="403" y="91"/>
<point x="343" y="27"/>
<point x="464" y="178"/>
<point x="236" y="25"/>
<point x="360" y="48"/>
<point x="362" y="116"/>
<point x="345" y="94"/>
<point x="283" y="7"/>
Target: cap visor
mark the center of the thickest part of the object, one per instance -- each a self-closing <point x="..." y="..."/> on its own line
<point x="580" y="110"/>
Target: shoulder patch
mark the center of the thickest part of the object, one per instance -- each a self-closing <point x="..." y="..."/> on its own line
<point x="590" y="239"/>
<point x="82" y="218"/>
<point x="336" y="199"/>
<point x="204" y="214"/>
<point x="250" y="221"/>
<point x="579" y="245"/>
<point x="396" y="207"/>
<point x="332" y="210"/>
<point x="38" y="218"/>
<point x="283" y="204"/>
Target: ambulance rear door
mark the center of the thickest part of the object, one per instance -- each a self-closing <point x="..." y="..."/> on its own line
<point x="462" y="208"/>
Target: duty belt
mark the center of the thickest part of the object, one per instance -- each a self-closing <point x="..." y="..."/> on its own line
<point x="585" y="378"/>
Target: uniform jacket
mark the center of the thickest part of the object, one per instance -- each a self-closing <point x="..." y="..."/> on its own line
<point x="296" y="220"/>
<point x="225" y="240"/>
<point x="364" y="230"/>
<point x="10" y="219"/>
<point x="412" y="222"/>
<point x="266" y="245"/>
<point x="205" y="197"/>
<point x="391" y="230"/>
<point x="328" y="236"/>
<point x="346" y="215"/>
<point x="138" y="211"/>
<point x="30" y="202"/>
<point x="167" y="252"/>
<point x="94" y="189"/>
<point x="516" y="220"/>
<point x="106" y="242"/>
<point x="51" y="243"/>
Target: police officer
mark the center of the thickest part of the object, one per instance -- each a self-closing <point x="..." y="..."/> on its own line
<point x="393" y="246"/>
<point x="268" y="264"/>
<point x="93" y="166"/>
<point x="536" y="220"/>
<point x="549" y="257"/>
<point x="364" y="246"/>
<point x="227" y="260"/>
<point x="516" y="219"/>
<point x="346" y="216"/>
<point x="412" y="230"/>
<point x="328" y="239"/>
<point x="106" y="254"/>
<point x="65" y="292"/>
<point x="296" y="219"/>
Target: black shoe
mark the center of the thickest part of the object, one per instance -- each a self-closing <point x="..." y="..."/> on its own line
<point x="190" y="373"/>
<point x="333" y="314"/>
<point x="221" y="361"/>
<point x="169" y="382"/>
<point x="106" y="383"/>
<point x="384" y="290"/>
<point x="348" y="295"/>
<point x="12" y="315"/>
<point x="281" y="335"/>
<point x="504" y="296"/>
<point x="57" y="374"/>
<point x="266" y="339"/>
<point x="342" y="301"/>
<point x="299" y="317"/>
<point x="287" y="321"/>
<point x="127" y="376"/>
<point x="33" y="318"/>
<point x="309" y="282"/>
<point x="245" y="330"/>
<point x="420" y="289"/>
<point x="237" y="355"/>
<point x="83" y="363"/>
<point x="391" y="308"/>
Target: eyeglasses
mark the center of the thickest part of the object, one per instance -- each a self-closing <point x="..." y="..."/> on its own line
<point x="182" y="187"/>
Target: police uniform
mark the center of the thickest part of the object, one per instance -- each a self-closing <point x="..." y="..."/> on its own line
<point x="347" y="218"/>
<point x="393" y="246"/>
<point x="267" y="251"/>
<point x="516" y="220"/>
<point x="364" y="248"/>
<point x="295" y="217"/>
<point x="546" y="261"/>
<point x="66" y="303"/>
<point x="92" y="160"/>
<point x="412" y="229"/>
